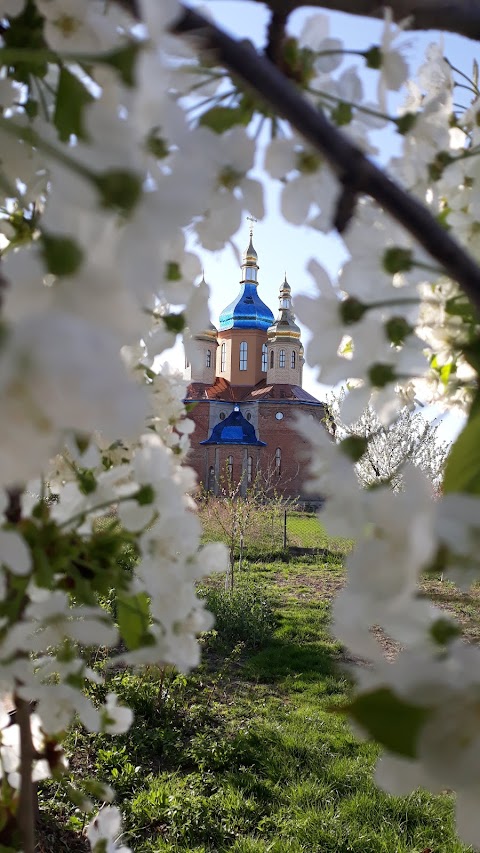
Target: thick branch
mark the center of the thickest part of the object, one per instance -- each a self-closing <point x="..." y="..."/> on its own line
<point x="454" y="16"/>
<point x="354" y="170"/>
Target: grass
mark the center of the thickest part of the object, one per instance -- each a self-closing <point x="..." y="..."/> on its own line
<point x="246" y="755"/>
<point x="305" y="530"/>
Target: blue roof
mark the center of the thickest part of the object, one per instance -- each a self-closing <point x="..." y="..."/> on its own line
<point x="247" y="311"/>
<point x="234" y="430"/>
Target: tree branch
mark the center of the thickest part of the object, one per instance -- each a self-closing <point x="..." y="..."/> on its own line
<point x="276" y="36"/>
<point x="26" y="806"/>
<point x="454" y="16"/>
<point x="353" y="169"/>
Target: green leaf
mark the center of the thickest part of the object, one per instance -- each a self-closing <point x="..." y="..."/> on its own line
<point x="173" y="271"/>
<point x="462" y="471"/>
<point x="373" y="57"/>
<point x="72" y="97"/>
<point x="174" y="322"/>
<point x="460" y="306"/>
<point x="133" y="615"/>
<point x="354" y="446"/>
<point x="145" y="495"/>
<point x="342" y="114"/>
<point x="62" y="255"/>
<point x="220" y="119"/>
<point x="396" y="259"/>
<point x="472" y="354"/>
<point x="389" y="720"/>
<point x="381" y="375"/>
<point x="352" y="310"/>
<point x="397" y="330"/>
<point x="119" y="189"/>
<point x="406" y="122"/>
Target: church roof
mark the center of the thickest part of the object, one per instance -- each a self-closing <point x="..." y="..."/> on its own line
<point x="234" y="430"/>
<point x="277" y="391"/>
<point x="222" y="390"/>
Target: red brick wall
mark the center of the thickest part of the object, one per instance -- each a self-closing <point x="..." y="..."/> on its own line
<point x="276" y="433"/>
<point x="294" y="449"/>
<point x="196" y="458"/>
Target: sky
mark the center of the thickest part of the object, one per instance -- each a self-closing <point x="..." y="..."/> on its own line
<point x="283" y="247"/>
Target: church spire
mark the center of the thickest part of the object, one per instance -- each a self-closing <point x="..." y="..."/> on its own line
<point x="250" y="266"/>
<point x="285" y="325"/>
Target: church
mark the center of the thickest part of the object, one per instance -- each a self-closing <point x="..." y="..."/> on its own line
<point x="245" y="392"/>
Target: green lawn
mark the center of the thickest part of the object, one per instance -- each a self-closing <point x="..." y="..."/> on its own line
<point x="305" y="530"/>
<point x="246" y="755"/>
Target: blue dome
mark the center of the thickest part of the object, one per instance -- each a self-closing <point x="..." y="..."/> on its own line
<point x="247" y="311"/>
<point x="234" y="430"/>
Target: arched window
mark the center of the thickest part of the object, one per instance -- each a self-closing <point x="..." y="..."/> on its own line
<point x="230" y="467"/>
<point x="243" y="355"/>
<point x="251" y="274"/>
<point x="211" y="479"/>
<point x="278" y="461"/>
<point x="222" y="357"/>
<point x="208" y="359"/>
<point x="293" y="360"/>
<point x="222" y="416"/>
<point x="281" y="358"/>
<point x="264" y="358"/>
<point x="249" y="469"/>
<point x="187" y="363"/>
<point x="272" y="356"/>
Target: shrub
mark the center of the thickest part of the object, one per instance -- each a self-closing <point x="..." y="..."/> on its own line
<point x="244" y="615"/>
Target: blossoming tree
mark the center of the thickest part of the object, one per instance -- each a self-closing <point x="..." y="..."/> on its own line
<point x="126" y="126"/>
<point x="383" y="450"/>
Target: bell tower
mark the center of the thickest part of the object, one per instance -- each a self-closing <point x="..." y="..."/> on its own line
<point x="285" y="350"/>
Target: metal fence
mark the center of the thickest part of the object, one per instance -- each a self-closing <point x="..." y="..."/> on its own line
<point x="268" y="531"/>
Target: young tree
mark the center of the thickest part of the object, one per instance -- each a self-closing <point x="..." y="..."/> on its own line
<point x="242" y="511"/>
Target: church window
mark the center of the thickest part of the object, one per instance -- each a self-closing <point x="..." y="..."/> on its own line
<point x="278" y="461"/>
<point x="230" y="467"/>
<point x="249" y="469"/>
<point x="281" y="358"/>
<point x="251" y="274"/>
<point x="249" y="417"/>
<point x="222" y="416"/>
<point x="271" y="358"/>
<point x="208" y="361"/>
<point x="243" y="355"/>
<point x="293" y="359"/>
<point x="222" y="357"/>
<point x="264" y="358"/>
<point x="211" y="479"/>
<point x="187" y="363"/>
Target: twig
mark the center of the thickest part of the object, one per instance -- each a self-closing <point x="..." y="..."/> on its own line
<point x="276" y="35"/>
<point x="353" y="169"/>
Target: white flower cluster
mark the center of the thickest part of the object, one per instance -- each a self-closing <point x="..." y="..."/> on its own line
<point x="124" y="144"/>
